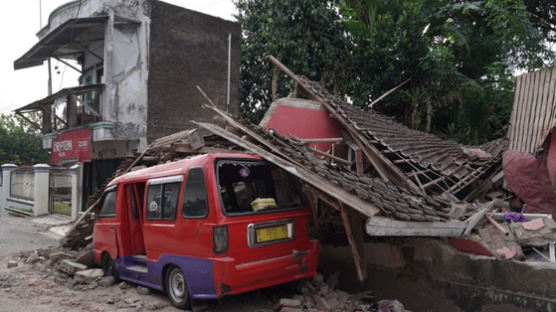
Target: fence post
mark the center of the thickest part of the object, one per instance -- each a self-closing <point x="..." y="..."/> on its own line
<point x="42" y="187"/>
<point x="6" y="182"/>
<point x="76" y="192"/>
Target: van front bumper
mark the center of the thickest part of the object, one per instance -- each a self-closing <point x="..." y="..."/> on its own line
<point x="232" y="277"/>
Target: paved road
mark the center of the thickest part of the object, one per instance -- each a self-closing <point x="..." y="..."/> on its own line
<point x="20" y="234"/>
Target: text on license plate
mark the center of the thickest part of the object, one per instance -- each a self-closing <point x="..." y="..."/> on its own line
<point x="272" y="233"/>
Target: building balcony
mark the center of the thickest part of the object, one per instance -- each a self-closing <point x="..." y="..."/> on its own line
<point x="68" y="108"/>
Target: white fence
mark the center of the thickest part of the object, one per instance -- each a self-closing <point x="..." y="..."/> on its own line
<point x="26" y="190"/>
<point x="22" y="183"/>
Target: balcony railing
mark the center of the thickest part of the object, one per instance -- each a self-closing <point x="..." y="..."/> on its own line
<point x="67" y="108"/>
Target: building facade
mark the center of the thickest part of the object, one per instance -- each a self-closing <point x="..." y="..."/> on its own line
<point x="139" y="63"/>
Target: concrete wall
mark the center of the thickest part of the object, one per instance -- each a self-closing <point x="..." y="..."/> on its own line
<point x="188" y="48"/>
<point x="124" y="53"/>
<point x="429" y="275"/>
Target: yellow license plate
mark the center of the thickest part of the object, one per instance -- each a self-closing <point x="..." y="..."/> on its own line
<point x="268" y="234"/>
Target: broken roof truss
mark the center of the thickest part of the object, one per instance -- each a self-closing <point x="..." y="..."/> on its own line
<point x="408" y="158"/>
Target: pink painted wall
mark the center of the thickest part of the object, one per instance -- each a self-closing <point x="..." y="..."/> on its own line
<point x="551" y="159"/>
<point x="305" y="123"/>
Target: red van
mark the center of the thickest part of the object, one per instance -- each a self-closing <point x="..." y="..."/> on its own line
<point x="205" y="227"/>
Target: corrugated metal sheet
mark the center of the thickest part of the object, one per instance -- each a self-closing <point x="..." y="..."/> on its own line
<point x="533" y="110"/>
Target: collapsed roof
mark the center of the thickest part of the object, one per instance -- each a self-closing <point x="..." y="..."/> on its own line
<point x="407" y="157"/>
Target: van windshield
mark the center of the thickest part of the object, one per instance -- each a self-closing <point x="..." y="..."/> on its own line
<point x="251" y="187"/>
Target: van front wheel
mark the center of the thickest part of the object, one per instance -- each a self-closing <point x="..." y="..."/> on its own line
<point x="176" y="287"/>
<point x="109" y="267"/>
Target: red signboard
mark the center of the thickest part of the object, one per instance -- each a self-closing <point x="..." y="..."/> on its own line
<point x="72" y="146"/>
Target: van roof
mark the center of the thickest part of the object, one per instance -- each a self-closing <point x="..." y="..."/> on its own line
<point x="175" y="168"/>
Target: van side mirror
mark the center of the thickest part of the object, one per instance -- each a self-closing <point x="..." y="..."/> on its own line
<point x="93" y="216"/>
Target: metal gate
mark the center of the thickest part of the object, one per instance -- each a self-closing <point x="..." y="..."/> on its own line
<point x="60" y="191"/>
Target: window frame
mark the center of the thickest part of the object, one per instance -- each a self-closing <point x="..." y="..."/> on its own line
<point x="207" y="210"/>
<point x="112" y="189"/>
<point x="162" y="182"/>
<point x="218" y="161"/>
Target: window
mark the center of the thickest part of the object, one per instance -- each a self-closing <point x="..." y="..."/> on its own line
<point x="108" y="208"/>
<point x="162" y="201"/>
<point x="195" y="204"/>
<point x="250" y="187"/>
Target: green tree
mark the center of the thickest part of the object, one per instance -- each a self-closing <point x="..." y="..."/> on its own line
<point x="20" y="143"/>
<point x="303" y="34"/>
<point x="458" y="55"/>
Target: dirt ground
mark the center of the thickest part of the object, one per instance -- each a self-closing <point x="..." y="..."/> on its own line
<point x="36" y="285"/>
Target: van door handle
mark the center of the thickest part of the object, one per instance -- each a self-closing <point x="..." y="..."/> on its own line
<point x="111" y="227"/>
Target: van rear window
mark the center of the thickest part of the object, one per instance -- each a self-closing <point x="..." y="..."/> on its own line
<point x="251" y="187"/>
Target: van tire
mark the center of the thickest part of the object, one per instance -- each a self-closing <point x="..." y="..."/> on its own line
<point x="109" y="267"/>
<point x="176" y="288"/>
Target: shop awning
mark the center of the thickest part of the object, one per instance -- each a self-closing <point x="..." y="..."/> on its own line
<point x="66" y="40"/>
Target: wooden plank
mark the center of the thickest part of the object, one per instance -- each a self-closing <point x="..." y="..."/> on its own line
<point x="314" y="209"/>
<point x="381" y="226"/>
<point x="550" y="105"/>
<point x="536" y="129"/>
<point x="335" y="158"/>
<point x="321" y="140"/>
<point x="476" y="217"/>
<point x="34" y="124"/>
<point x="355" y="239"/>
<point x="388" y="92"/>
<point x="359" y="160"/>
<point x="309" y="177"/>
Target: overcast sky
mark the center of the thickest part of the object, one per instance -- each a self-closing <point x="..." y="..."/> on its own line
<point x="19" y="23"/>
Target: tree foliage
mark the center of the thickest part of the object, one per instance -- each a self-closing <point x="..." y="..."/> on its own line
<point x="460" y="56"/>
<point x="304" y="35"/>
<point x="20" y="143"/>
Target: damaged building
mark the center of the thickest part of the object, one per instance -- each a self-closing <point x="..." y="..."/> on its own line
<point x="139" y="62"/>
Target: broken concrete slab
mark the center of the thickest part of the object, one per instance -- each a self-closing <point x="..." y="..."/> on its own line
<point x="88" y="276"/>
<point x="106" y="281"/>
<point x="537" y="238"/>
<point x="11" y="264"/>
<point x="86" y="257"/>
<point x="143" y="290"/>
<point x="70" y="267"/>
<point x="290" y="302"/>
<point x="61" y="255"/>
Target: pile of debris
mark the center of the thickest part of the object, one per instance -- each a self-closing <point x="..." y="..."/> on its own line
<point x="400" y="183"/>
<point x="318" y="295"/>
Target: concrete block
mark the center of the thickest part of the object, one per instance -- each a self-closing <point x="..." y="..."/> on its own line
<point x="143" y="290"/>
<point x="12" y="264"/>
<point x="106" y="281"/>
<point x="86" y="257"/>
<point x="155" y="305"/>
<point x="60" y="255"/>
<point x="290" y="302"/>
<point x="321" y="303"/>
<point x="290" y="309"/>
<point x="70" y="267"/>
<point x="88" y="276"/>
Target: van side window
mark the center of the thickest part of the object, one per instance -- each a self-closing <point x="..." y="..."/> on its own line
<point x="108" y="208"/>
<point x="195" y="204"/>
<point x="162" y="201"/>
